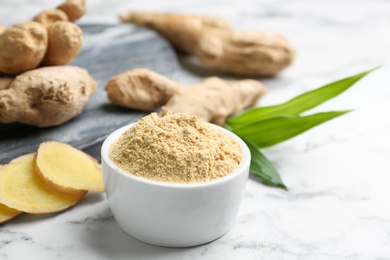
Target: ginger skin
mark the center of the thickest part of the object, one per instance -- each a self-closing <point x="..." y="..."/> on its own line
<point x="46" y="96"/>
<point x="65" y="40"/>
<point x="2" y="28"/>
<point x="74" y="9"/>
<point x="51" y="39"/>
<point x="211" y="100"/>
<point x="22" y="47"/>
<point x="69" y="10"/>
<point x="64" y="37"/>
<point x="141" y="89"/>
<point x="210" y="38"/>
<point x="49" y="17"/>
<point x="5" y="82"/>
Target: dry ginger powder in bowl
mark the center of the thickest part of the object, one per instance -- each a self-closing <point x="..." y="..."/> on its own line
<point x="176" y="148"/>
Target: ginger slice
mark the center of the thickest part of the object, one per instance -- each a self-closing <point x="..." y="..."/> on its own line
<point x="67" y="169"/>
<point x="21" y="189"/>
<point x="7" y="213"/>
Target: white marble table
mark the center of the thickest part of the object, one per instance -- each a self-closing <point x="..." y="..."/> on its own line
<point x="338" y="205"/>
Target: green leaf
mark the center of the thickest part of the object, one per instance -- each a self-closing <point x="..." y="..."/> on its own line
<point x="298" y="104"/>
<point x="277" y="129"/>
<point x="263" y="168"/>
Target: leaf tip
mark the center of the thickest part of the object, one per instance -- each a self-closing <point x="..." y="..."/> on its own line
<point x="370" y="70"/>
<point x="283" y="187"/>
<point x="346" y="111"/>
<point x="375" y="68"/>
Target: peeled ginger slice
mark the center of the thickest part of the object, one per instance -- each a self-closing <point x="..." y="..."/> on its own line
<point x="7" y="213"/>
<point x="21" y="189"/>
<point x="67" y="169"/>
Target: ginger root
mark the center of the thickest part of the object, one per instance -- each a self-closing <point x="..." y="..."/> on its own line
<point x="51" y="38"/>
<point x="46" y="96"/>
<point x="211" y="100"/>
<point x="67" y="169"/>
<point x="74" y="9"/>
<point x="22" y="47"/>
<point x="210" y="38"/>
<point x="65" y="39"/>
<point x="70" y="10"/>
<point x="49" y="17"/>
<point x="2" y="28"/>
<point x="5" y="82"/>
<point x="22" y="190"/>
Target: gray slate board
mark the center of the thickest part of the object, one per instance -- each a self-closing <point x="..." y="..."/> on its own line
<point x="107" y="50"/>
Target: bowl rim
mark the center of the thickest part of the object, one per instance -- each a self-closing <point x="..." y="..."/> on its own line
<point x="246" y="157"/>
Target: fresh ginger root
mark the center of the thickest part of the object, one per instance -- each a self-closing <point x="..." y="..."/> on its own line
<point x="211" y="100"/>
<point x="49" y="17"/>
<point x="22" y="47"/>
<point x="64" y="37"/>
<point x="70" y="10"/>
<point x="5" y="82"/>
<point x="2" y="28"/>
<point x="21" y="189"/>
<point x="210" y="38"/>
<point x="67" y="169"/>
<point x="75" y="9"/>
<point x="51" y="38"/>
<point x="65" y="40"/>
<point x="46" y="96"/>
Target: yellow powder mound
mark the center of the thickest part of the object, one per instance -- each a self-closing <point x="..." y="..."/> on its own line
<point x="176" y="148"/>
<point x="67" y="169"/>
<point x="21" y="189"/>
<point x="7" y="213"/>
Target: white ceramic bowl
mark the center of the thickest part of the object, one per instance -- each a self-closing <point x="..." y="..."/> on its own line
<point x="173" y="215"/>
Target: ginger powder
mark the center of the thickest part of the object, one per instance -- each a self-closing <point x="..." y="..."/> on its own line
<point x="176" y="148"/>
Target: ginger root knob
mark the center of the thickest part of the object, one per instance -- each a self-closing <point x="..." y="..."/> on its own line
<point x="46" y="96"/>
<point x="22" y="47"/>
<point x="210" y="38"/>
<point x="211" y="100"/>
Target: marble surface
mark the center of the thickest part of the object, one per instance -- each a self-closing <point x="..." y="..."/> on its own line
<point x="337" y="206"/>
